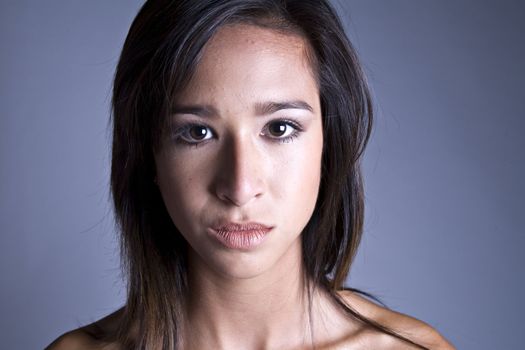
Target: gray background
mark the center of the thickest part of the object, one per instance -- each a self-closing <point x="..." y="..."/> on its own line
<point x="444" y="169"/>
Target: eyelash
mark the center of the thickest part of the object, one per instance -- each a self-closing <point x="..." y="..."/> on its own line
<point x="296" y="126"/>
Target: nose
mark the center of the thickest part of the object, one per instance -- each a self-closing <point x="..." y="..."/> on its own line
<point x="240" y="175"/>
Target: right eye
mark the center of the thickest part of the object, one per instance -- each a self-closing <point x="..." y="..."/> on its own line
<point x="193" y="134"/>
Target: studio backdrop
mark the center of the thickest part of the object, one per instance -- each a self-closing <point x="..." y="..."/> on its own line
<point x="444" y="170"/>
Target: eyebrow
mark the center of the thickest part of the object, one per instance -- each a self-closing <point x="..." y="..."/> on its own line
<point x="198" y="110"/>
<point x="266" y="108"/>
<point x="261" y="108"/>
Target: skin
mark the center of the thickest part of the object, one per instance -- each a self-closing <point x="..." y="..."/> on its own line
<point x="245" y="172"/>
<point x="241" y="167"/>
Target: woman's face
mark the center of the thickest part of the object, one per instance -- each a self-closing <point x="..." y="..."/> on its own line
<point x="239" y="169"/>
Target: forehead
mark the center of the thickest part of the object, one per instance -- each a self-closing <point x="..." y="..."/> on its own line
<point x="256" y="39"/>
<point x="249" y="56"/>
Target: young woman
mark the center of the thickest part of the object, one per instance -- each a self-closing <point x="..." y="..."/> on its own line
<point x="238" y="131"/>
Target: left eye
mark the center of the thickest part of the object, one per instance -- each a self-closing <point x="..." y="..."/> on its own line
<point x="280" y="129"/>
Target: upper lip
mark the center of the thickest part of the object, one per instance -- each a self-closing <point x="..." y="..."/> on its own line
<point x="245" y="226"/>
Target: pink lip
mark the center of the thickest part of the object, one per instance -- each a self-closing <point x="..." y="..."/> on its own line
<point x="242" y="236"/>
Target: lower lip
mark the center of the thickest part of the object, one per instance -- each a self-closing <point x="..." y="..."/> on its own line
<point x="244" y="240"/>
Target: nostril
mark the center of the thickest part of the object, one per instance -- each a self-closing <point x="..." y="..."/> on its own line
<point x="229" y="200"/>
<point x="236" y="193"/>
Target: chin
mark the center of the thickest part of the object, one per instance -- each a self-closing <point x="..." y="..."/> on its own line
<point x="235" y="264"/>
<point x="242" y="265"/>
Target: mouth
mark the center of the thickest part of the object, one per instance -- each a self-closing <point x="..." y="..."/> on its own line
<point x="242" y="236"/>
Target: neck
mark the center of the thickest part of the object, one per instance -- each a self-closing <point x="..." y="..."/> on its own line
<point x="265" y="310"/>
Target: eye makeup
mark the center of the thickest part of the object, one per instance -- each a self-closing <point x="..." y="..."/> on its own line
<point x="192" y="134"/>
<point x="289" y="128"/>
<point x="280" y="130"/>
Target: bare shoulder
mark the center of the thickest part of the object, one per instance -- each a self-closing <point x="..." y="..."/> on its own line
<point x="77" y="339"/>
<point x="417" y="331"/>
<point x="88" y="337"/>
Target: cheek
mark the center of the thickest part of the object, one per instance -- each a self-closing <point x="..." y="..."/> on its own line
<point x="182" y="174"/>
<point x="182" y="190"/>
<point x="297" y="180"/>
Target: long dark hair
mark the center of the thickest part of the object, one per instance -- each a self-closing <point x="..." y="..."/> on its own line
<point x="160" y="54"/>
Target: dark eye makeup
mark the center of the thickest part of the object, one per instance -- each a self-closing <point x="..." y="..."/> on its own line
<point x="197" y="134"/>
